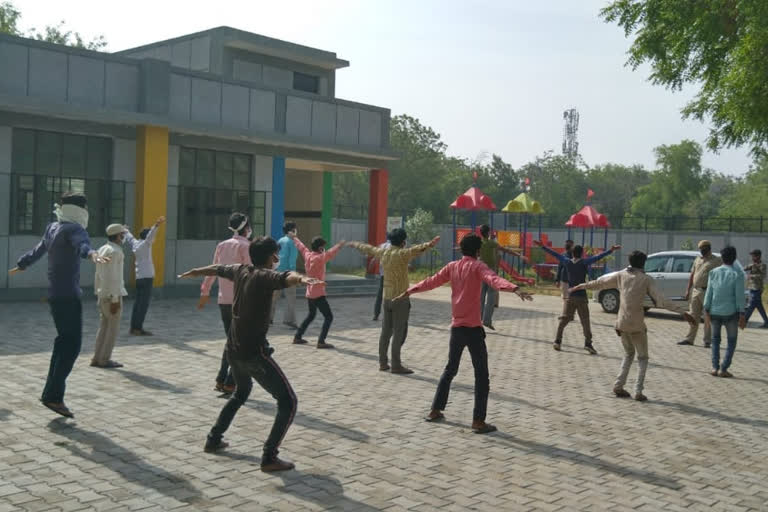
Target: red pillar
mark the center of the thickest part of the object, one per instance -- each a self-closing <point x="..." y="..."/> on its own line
<point x="377" y="210"/>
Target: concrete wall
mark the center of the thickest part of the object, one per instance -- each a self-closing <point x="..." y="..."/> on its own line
<point x="208" y="100"/>
<point x="192" y="54"/>
<point x="67" y="75"/>
<point x="630" y="240"/>
<point x="274" y="72"/>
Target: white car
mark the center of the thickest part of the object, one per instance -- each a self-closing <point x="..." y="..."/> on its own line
<point x="670" y="269"/>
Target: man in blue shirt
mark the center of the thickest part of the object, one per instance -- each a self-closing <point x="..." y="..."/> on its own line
<point x="66" y="243"/>
<point x="724" y="306"/>
<point x="576" y="270"/>
<point x="288" y="254"/>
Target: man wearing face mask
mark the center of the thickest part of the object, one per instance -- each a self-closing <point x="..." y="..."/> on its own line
<point x="228" y="252"/>
<point x="110" y="290"/>
<point x="66" y="242"/>
<point x="697" y="289"/>
<point x="287" y="263"/>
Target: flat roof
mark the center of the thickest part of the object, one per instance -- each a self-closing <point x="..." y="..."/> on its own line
<point x="249" y="41"/>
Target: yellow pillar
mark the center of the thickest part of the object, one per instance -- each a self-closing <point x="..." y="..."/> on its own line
<point x="152" y="188"/>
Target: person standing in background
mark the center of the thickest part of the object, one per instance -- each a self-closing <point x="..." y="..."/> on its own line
<point x="145" y="275"/>
<point x="756" y="276"/>
<point x="228" y="252"/>
<point x="288" y="255"/>
<point x="109" y="286"/>
<point x="697" y="288"/>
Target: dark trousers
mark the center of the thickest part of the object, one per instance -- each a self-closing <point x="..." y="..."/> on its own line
<point x="394" y="327"/>
<point x="141" y="304"/>
<point x="474" y="339"/>
<point x="320" y="303"/>
<point x="379" y="297"/>
<point x="268" y="374"/>
<point x="756" y="302"/>
<point x="224" y="374"/>
<point x="68" y="317"/>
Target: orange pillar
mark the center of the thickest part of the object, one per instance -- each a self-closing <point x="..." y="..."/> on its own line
<point x="377" y="210"/>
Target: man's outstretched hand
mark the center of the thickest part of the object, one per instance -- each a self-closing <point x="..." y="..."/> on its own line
<point x="15" y="270"/>
<point x="402" y="296"/>
<point x="524" y="296"/>
<point x="434" y="241"/>
<point x="98" y="259"/>
<point x="311" y="281"/>
<point x="615" y="247"/>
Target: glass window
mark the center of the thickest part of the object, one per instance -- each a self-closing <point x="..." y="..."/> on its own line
<point x="682" y="264"/>
<point x="656" y="264"/>
<point x="306" y="83"/>
<point x="213" y="185"/>
<point x="47" y="164"/>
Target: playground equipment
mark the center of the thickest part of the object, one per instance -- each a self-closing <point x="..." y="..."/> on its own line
<point x="526" y="206"/>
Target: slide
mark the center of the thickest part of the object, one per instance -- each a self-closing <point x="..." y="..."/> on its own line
<point x="514" y="276"/>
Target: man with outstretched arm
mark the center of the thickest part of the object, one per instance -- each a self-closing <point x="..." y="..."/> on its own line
<point x="394" y="260"/>
<point x="66" y="242"/>
<point x="633" y="285"/>
<point x="577" y="269"/>
<point x="249" y="352"/>
<point x="466" y="276"/>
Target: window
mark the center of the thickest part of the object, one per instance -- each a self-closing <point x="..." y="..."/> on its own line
<point x="46" y="164"/>
<point x="213" y="184"/>
<point x="657" y="264"/>
<point x="682" y="264"/>
<point x="306" y="83"/>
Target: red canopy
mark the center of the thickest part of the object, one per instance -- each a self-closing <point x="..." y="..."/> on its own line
<point x="473" y="199"/>
<point x="588" y="217"/>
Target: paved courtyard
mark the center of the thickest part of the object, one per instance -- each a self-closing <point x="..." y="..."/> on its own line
<point x="359" y="440"/>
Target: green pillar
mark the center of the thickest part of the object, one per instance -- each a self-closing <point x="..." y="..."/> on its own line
<point x="327" y="204"/>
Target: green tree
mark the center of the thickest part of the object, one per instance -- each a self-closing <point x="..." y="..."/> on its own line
<point x="678" y="180"/>
<point x="709" y="203"/>
<point x="420" y="226"/>
<point x="720" y="46"/>
<point x="59" y="34"/>
<point x="558" y="183"/>
<point x="615" y="186"/>
<point x="748" y="197"/>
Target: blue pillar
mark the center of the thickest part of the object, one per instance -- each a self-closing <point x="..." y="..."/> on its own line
<point x="278" y="196"/>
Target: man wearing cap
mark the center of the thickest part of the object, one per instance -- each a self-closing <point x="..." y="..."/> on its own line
<point x="110" y="290"/>
<point x="756" y="271"/>
<point x="697" y="288"/>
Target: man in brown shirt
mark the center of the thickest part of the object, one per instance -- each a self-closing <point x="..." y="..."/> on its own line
<point x="697" y="288"/>
<point x="633" y="285"/>
<point x="248" y="350"/>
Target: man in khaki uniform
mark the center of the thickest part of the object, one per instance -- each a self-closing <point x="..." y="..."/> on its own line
<point x="110" y="290"/>
<point x="697" y="288"/>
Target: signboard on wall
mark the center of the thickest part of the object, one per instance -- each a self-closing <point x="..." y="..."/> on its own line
<point x="394" y="222"/>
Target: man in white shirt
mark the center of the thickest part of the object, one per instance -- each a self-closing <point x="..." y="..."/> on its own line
<point x="110" y="290"/>
<point x="145" y="275"/>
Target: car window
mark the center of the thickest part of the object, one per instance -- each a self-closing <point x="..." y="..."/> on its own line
<point x="682" y="264"/>
<point x="656" y="264"/>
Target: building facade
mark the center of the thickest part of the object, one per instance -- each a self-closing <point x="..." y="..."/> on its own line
<point x="192" y="128"/>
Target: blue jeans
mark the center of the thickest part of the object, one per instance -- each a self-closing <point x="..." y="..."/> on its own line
<point x="731" y="324"/>
<point x="756" y="302"/>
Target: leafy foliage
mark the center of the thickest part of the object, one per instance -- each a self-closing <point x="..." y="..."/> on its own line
<point x="720" y="46"/>
<point x="59" y="34"/>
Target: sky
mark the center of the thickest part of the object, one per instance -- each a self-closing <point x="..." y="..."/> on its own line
<point x="489" y="76"/>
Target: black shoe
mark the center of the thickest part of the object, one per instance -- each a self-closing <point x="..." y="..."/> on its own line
<point x="211" y="447"/>
<point x="590" y="349"/>
<point x="684" y="342"/>
<point x="707" y="345"/>
<point x="276" y="464"/>
<point x="489" y="326"/>
<point x="299" y="341"/>
<point x="375" y="319"/>
<point x="324" y="345"/>
<point x="556" y="346"/>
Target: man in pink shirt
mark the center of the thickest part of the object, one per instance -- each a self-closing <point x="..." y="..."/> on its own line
<point x="466" y="277"/>
<point x="314" y="266"/>
<point x="228" y="252"/>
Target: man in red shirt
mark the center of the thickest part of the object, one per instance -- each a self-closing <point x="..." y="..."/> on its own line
<point x="466" y="277"/>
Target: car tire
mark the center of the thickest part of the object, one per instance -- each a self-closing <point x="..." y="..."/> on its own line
<point x="609" y="300"/>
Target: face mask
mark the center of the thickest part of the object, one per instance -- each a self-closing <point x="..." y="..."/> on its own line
<point x="276" y="264"/>
<point x="704" y="252"/>
<point x="249" y="234"/>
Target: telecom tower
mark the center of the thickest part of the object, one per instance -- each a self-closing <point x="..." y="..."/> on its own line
<point x="570" y="133"/>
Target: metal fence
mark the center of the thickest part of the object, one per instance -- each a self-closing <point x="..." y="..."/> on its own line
<point x="627" y="223"/>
